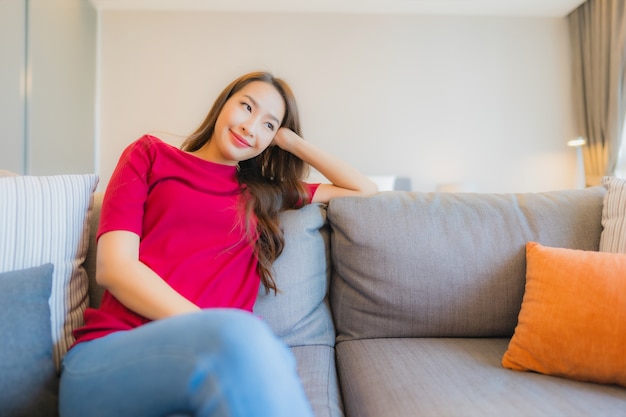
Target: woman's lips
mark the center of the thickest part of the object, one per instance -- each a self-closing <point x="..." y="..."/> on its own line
<point x="239" y="141"/>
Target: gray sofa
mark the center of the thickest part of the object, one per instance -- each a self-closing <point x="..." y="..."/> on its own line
<point x="425" y="290"/>
<point x="425" y="293"/>
<point x="403" y="303"/>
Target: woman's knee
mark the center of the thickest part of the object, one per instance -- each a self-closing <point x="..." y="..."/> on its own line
<point x="244" y="333"/>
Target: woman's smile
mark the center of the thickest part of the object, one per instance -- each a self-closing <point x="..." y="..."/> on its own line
<point x="240" y="141"/>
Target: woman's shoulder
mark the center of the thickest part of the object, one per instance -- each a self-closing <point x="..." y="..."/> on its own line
<point x="144" y="143"/>
<point x="150" y="141"/>
<point x="153" y="144"/>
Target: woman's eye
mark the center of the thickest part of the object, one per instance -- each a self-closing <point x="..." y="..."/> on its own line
<point x="246" y="106"/>
<point x="270" y="126"/>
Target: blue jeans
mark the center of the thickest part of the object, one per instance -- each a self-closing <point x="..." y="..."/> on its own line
<point x="218" y="362"/>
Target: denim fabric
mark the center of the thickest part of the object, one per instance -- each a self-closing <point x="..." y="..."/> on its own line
<point x="218" y="362"/>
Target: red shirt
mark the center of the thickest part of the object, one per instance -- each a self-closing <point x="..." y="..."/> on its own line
<point x="188" y="214"/>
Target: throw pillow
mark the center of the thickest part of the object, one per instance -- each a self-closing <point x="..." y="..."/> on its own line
<point x="44" y="220"/>
<point x="299" y="314"/>
<point x="28" y="379"/>
<point x="573" y="318"/>
<point x="613" y="237"/>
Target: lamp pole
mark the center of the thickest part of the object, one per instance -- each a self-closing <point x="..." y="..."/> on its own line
<point x="578" y="143"/>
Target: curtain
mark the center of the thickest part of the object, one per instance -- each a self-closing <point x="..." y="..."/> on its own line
<point x="598" y="35"/>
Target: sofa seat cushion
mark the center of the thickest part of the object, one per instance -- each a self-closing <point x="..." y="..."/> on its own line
<point x="454" y="377"/>
<point x="444" y="264"/>
<point x="316" y="368"/>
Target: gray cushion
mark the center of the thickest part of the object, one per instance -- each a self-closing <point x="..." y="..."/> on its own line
<point x="459" y="377"/>
<point x="439" y="264"/>
<point x="299" y="313"/>
<point x="28" y="379"/>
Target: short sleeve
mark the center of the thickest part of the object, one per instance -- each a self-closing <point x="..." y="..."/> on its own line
<point x="127" y="191"/>
<point x="311" y="189"/>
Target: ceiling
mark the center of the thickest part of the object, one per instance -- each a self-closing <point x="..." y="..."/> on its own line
<point x="536" y="8"/>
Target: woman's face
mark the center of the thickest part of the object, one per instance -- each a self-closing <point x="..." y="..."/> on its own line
<point x="246" y="125"/>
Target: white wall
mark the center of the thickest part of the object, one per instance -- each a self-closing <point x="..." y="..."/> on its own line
<point x="483" y="101"/>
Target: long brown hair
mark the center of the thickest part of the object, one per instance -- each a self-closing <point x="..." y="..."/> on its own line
<point x="271" y="182"/>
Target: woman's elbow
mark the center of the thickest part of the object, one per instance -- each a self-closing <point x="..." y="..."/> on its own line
<point x="103" y="275"/>
<point x="117" y="252"/>
<point x="373" y="189"/>
<point x="110" y="269"/>
<point x="368" y="189"/>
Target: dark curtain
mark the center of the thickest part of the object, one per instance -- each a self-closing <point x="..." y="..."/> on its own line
<point x="598" y="35"/>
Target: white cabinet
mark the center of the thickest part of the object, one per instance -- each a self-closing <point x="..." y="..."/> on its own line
<point x="12" y="71"/>
<point x="47" y="86"/>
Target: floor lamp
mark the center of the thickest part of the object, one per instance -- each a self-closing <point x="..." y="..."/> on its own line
<point x="578" y="143"/>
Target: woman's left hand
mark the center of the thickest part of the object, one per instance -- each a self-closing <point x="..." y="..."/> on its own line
<point x="286" y="139"/>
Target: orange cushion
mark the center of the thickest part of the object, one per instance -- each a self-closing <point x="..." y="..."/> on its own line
<point x="573" y="318"/>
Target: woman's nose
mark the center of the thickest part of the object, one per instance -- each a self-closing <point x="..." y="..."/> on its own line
<point x="248" y="128"/>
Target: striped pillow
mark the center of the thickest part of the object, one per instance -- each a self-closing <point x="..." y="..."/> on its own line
<point x="613" y="237"/>
<point x="45" y="220"/>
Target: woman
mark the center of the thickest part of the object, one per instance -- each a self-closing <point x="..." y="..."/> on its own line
<point x="185" y="239"/>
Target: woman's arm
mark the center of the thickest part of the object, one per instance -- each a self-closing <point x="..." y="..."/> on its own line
<point x="134" y="284"/>
<point x="346" y="181"/>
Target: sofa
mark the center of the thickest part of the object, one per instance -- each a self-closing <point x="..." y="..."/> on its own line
<point x="399" y="304"/>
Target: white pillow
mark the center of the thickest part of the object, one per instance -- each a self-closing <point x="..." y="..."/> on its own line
<point x="45" y="220"/>
<point x="613" y="237"/>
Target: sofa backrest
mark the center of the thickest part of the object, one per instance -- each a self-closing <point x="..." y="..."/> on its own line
<point x="409" y="264"/>
<point x="95" y="291"/>
<point x="299" y="314"/>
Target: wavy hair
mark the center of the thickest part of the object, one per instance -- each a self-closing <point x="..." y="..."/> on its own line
<point x="271" y="182"/>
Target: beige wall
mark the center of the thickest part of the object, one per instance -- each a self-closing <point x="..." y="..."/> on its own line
<point x="483" y="101"/>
